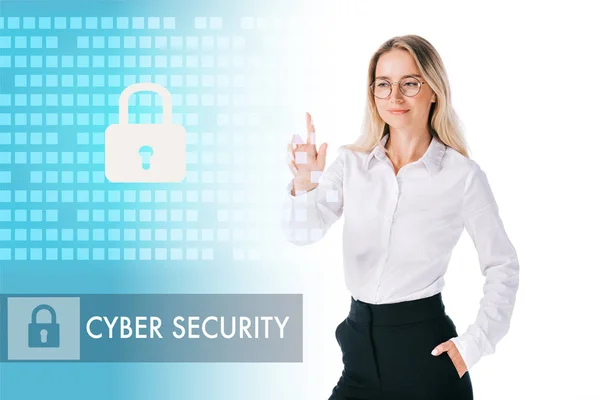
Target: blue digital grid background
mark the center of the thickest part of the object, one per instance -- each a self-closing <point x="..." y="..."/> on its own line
<point x="61" y="77"/>
<point x="65" y="229"/>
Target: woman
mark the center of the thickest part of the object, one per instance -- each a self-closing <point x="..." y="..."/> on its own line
<point x="407" y="188"/>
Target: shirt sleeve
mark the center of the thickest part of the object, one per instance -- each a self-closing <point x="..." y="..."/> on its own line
<point x="308" y="215"/>
<point x="499" y="265"/>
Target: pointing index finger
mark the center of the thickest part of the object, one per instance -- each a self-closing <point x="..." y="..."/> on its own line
<point x="310" y="129"/>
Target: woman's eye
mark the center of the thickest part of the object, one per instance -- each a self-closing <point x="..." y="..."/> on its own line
<point x="410" y="84"/>
<point x="383" y="84"/>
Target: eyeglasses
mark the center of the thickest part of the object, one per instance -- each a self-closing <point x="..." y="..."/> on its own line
<point x="409" y="86"/>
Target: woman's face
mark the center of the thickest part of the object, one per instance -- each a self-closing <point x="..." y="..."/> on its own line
<point x="393" y="66"/>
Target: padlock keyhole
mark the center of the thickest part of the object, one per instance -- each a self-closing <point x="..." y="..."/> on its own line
<point x="146" y="152"/>
<point x="44" y="335"/>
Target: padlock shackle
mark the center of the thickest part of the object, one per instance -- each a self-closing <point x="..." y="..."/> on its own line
<point x="149" y="87"/>
<point x="41" y="307"/>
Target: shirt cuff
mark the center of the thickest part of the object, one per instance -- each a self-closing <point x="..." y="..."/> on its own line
<point x="466" y="345"/>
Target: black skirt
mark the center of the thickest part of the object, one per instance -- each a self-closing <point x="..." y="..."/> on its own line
<point x="386" y="351"/>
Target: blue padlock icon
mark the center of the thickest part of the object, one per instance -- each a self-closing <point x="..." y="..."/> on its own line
<point x="43" y="334"/>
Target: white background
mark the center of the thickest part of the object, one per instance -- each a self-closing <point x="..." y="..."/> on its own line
<point x="524" y="80"/>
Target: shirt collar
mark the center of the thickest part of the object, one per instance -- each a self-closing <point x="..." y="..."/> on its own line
<point x="432" y="157"/>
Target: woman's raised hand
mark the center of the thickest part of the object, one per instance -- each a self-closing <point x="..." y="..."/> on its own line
<point x="304" y="161"/>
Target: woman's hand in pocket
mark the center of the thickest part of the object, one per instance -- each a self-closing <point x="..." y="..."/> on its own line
<point x="454" y="354"/>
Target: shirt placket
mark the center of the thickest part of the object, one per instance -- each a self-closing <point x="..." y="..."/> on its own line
<point x="386" y="236"/>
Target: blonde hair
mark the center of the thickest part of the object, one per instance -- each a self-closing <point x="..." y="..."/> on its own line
<point x="443" y="122"/>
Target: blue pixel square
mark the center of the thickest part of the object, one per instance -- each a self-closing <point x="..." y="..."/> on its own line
<point x="20" y="196"/>
<point x="145" y="234"/>
<point x="169" y="23"/>
<point x="5" y="196"/>
<point x="20" y="157"/>
<point x="20" y="42"/>
<point x="66" y="119"/>
<point x="83" y="138"/>
<point x="51" y="235"/>
<point x="66" y="176"/>
<point x="91" y="23"/>
<point x="83" y="196"/>
<point x="129" y="196"/>
<point x="35" y="138"/>
<point x="176" y="235"/>
<point x="98" y="177"/>
<point x="83" y="235"/>
<point x="36" y="177"/>
<point x="114" y="235"/>
<point x="160" y="234"/>
<point x="13" y="23"/>
<point x="146" y="215"/>
<point x="114" y="196"/>
<point x="114" y="42"/>
<point x="98" y="61"/>
<point x="129" y="235"/>
<point x="60" y="23"/>
<point x="66" y="235"/>
<point x="66" y="157"/>
<point x="35" y="157"/>
<point x="51" y="139"/>
<point x="176" y="254"/>
<point x="51" y="100"/>
<point x="83" y="80"/>
<point x="114" y="254"/>
<point x="114" y="62"/>
<point x="83" y="61"/>
<point x="36" y="215"/>
<point x="145" y="254"/>
<point x="98" y="196"/>
<point x="36" y="196"/>
<point x="52" y="81"/>
<point x="98" y="157"/>
<point x="66" y="99"/>
<point x="35" y="235"/>
<point x="83" y="254"/>
<point x="83" y="215"/>
<point x="66" y="80"/>
<point x="36" y="254"/>
<point x="176" y="215"/>
<point x="83" y="100"/>
<point x="98" y="138"/>
<point x="98" y="254"/>
<point x="51" y="61"/>
<point x="106" y="22"/>
<point x="98" y="81"/>
<point x="20" y="215"/>
<point x="98" y="119"/>
<point x="51" y="118"/>
<point x="20" y="254"/>
<point x="98" y="215"/>
<point x="98" y="99"/>
<point x="98" y="42"/>
<point x="160" y="215"/>
<point x="20" y="235"/>
<point x="5" y="176"/>
<point x="5" y="61"/>
<point x="52" y="254"/>
<point x="51" y="196"/>
<point x="5" y="216"/>
<point x="66" y="196"/>
<point x="45" y="23"/>
<point x="129" y="42"/>
<point x="5" y="157"/>
<point x="122" y="23"/>
<point x="20" y="119"/>
<point x="28" y="23"/>
<point x="83" y="119"/>
<point x="66" y="254"/>
<point x="5" y="235"/>
<point x="52" y="177"/>
<point x="129" y="254"/>
<point x="83" y="157"/>
<point x="145" y="196"/>
<point x="52" y="42"/>
<point x="20" y="99"/>
<point x="35" y="119"/>
<point x="36" y="100"/>
<point x="20" y="81"/>
<point x="36" y="42"/>
<point x="129" y="215"/>
<point x="66" y="61"/>
<point x="51" y="215"/>
<point x="114" y="215"/>
<point x="98" y="235"/>
<point x="35" y="62"/>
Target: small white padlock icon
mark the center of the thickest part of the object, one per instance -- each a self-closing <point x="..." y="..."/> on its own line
<point x="145" y="152"/>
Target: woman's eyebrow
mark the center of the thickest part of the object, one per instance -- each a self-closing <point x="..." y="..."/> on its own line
<point x="405" y="76"/>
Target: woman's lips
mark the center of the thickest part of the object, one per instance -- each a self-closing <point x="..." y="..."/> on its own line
<point x="398" y="112"/>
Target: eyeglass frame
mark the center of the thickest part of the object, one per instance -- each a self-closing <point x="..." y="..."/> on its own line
<point x="392" y="87"/>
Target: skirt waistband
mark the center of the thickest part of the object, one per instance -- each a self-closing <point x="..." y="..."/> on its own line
<point x="404" y="312"/>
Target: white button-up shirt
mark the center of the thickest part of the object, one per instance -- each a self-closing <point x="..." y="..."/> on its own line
<point x="399" y="232"/>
